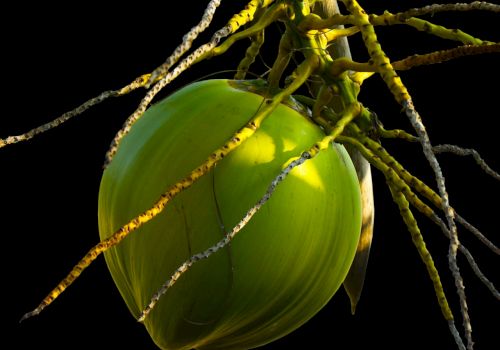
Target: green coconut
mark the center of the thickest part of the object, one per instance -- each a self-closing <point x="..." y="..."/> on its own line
<point x="279" y="271"/>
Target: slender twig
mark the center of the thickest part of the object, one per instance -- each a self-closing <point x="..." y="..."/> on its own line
<point x="419" y="24"/>
<point x="444" y="55"/>
<point x="437" y="220"/>
<point x="251" y="53"/>
<point x="467" y="152"/>
<point x="187" y="42"/>
<point x="137" y="83"/>
<point x="419" y="127"/>
<point x="478" y="234"/>
<point x="435" y="8"/>
<point x="479" y="273"/>
<point x="396" y="134"/>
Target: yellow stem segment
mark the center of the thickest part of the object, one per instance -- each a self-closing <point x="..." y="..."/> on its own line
<point x="380" y="59"/>
<point x="418" y="241"/>
<point x="250" y="55"/>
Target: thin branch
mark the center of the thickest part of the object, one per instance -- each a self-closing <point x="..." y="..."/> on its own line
<point x="478" y="234"/>
<point x="444" y="55"/>
<point x="341" y="65"/>
<point x="467" y="152"/>
<point x="251" y="53"/>
<point x="137" y="83"/>
<point x="419" y="127"/>
<point x="479" y="273"/>
<point x="396" y="134"/>
<point x="435" y="8"/>
<point x="187" y="41"/>
<point x="419" y="24"/>
<point x="437" y="220"/>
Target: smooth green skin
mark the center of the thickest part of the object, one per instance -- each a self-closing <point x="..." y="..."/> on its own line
<point x="279" y="271"/>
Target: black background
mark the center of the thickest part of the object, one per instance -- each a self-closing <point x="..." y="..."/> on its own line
<point x="57" y="57"/>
